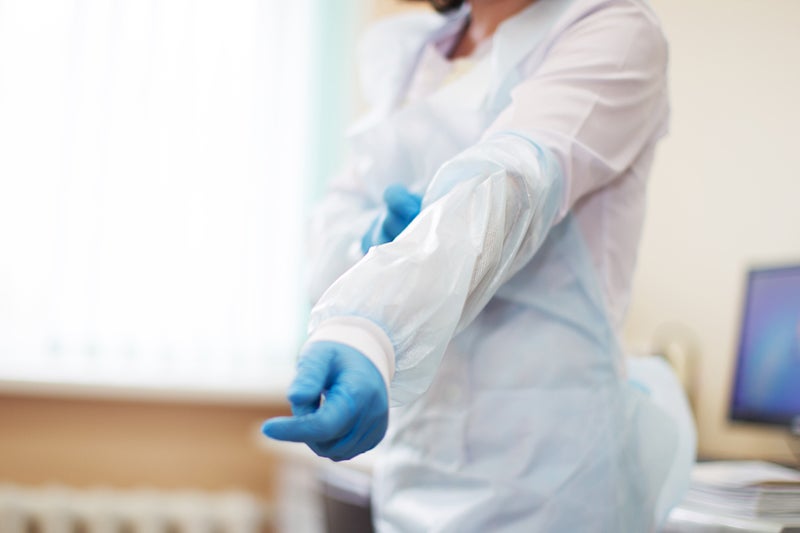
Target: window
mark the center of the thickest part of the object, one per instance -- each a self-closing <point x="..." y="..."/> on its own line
<point x="152" y="189"/>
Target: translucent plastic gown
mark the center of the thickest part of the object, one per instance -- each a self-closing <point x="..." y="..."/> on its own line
<point x="493" y="316"/>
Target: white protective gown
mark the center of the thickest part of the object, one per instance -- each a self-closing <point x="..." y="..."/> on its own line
<point x="494" y="315"/>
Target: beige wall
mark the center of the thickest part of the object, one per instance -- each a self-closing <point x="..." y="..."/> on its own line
<point x="377" y="9"/>
<point x="131" y="444"/>
<point x="725" y="194"/>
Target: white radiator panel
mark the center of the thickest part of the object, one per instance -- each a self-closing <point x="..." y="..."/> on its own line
<point x="65" y="510"/>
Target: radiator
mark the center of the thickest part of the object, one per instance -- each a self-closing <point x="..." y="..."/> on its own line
<point x="66" y="510"/>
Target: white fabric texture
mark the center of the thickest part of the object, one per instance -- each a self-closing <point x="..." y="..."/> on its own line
<point x="503" y="297"/>
<point x="662" y="385"/>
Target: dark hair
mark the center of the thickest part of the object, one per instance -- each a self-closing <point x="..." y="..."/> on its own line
<point x="443" y="6"/>
<point x="446" y="5"/>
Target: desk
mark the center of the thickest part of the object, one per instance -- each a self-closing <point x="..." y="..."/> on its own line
<point x="728" y="496"/>
<point x="683" y="520"/>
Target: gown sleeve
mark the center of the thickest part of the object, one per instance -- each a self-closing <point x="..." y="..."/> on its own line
<point x="336" y="229"/>
<point x="351" y="204"/>
<point x="598" y="98"/>
<point x="572" y="127"/>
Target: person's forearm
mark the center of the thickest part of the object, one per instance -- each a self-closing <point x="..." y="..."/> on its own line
<point x="485" y="215"/>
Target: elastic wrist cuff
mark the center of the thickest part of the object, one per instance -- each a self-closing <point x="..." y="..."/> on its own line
<point x="363" y="335"/>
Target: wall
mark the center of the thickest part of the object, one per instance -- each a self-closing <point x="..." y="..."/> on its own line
<point x="129" y="444"/>
<point x="724" y="194"/>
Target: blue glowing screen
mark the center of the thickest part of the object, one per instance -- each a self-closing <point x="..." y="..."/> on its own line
<point x="767" y="385"/>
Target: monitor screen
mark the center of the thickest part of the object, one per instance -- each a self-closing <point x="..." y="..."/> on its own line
<point x="767" y="384"/>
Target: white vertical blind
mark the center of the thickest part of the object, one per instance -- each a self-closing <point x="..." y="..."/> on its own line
<point x="152" y="165"/>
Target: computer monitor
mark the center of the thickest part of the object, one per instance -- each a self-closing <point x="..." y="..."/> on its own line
<point x="766" y="388"/>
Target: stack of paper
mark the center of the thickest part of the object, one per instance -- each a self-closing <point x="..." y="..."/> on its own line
<point x="746" y="489"/>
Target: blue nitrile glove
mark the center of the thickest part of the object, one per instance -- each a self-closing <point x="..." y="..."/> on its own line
<point x="352" y="417"/>
<point x="402" y="207"/>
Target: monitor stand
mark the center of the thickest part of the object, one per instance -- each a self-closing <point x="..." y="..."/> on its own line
<point x="794" y="438"/>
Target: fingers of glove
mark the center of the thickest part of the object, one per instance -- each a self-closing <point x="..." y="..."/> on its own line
<point x="314" y="373"/>
<point x="392" y="227"/>
<point x="401" y="202"/>
<point x="306" y="409"/>
<point x="370" y="237"/>
<point x="354" y="415"/>
<point x="290" y="428"/>
<point x="281" y="428"/>
<point x="365" y="436"/>
<point x="401" y="208"/>
<point x="368" y="392"/>
<point x="334" y="419"/>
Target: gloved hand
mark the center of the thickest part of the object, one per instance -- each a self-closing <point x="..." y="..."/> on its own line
<point x="402" y="207"/>
<point x="339" y="401"/>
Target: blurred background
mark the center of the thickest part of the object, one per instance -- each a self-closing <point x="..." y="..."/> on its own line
<point x="157" y="163"/>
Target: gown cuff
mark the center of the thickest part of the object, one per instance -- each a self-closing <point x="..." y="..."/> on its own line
<point x="363" y="335"/>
